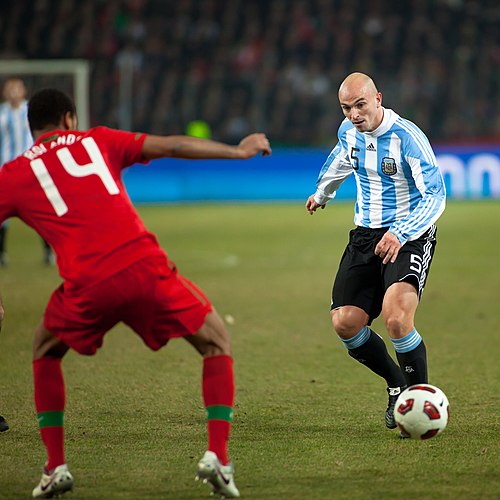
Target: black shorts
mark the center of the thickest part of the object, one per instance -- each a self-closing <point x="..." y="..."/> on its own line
<point x="362" y="279"/>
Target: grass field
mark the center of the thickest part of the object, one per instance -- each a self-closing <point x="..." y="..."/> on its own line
<point x="308" y="419"/>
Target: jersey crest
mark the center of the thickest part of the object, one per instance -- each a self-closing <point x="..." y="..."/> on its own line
<point x="389" y="166"/>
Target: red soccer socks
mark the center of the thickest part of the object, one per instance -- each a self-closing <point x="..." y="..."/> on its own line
<point x="218" y="396"/>
<point x="50" y="399"/>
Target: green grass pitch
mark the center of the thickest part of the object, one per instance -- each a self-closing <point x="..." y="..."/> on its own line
<point x="309" y="421"/>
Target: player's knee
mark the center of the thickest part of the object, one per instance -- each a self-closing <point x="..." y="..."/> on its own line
<point x="213" y="338"/>
<point x="397" y="324"/>
<point x="39" y="342"/>
<point x="45" y="344"/>
<point x="53" y="349"/>
<point x="347" y="322"/>
<point x="218" y="342"/>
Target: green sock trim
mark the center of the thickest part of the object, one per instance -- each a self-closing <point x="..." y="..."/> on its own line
<point x="50" y="419"/>
<point x="220" y="412"/>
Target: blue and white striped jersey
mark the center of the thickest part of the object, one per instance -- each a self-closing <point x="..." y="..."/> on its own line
<point x="15" y="134"/>
<point x="399" y="184"/>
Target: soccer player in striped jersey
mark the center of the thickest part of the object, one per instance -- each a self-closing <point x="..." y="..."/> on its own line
<point x="400" y="196"/>
<point x="15" y="135"/>
<point x="15" y="139"/>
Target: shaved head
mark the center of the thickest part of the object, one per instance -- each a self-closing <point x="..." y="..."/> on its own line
<point x="357" y="83"/>
<point x="361" y="102"/>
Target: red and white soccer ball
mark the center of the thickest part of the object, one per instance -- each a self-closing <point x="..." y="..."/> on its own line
<point x="422" y="411"/>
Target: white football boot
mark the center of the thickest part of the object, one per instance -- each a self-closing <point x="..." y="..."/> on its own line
<point x="55" y="484"/>
<point x="221" y="477"/>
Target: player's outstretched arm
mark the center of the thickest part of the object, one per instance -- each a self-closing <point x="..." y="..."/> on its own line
<point x="182" y="146"/>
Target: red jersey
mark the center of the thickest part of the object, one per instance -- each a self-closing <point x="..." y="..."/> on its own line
<point x="68" y="187"/>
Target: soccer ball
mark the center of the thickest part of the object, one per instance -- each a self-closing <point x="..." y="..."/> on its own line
<point x="422" y="411"/>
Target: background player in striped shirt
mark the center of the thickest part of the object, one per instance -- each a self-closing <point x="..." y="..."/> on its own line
<point x="15" y="139"/>
<point x="113" y="268"/>
<point x="400" y="195"/>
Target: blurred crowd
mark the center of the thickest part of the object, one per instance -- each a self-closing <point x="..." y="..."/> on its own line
<point x="272" y="65"/>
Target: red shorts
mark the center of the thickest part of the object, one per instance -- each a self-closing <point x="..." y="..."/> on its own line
<point x="150" y="296"/>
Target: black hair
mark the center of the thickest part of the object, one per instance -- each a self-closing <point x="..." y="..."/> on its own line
<point x="48" y="107"/>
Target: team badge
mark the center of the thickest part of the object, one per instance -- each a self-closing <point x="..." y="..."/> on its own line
<point x="389" y="166"/>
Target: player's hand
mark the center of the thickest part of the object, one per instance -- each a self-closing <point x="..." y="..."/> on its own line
<point x="312" y="206"/>
<point x="254" y="144"/>
<point x="388" y="248"/>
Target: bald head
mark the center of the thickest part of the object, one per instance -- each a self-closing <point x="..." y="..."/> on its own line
<point x="357" y="83"/>
<point x="361" y="102"/>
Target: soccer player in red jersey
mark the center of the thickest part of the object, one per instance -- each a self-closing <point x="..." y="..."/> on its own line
<point x="68" y="187"/>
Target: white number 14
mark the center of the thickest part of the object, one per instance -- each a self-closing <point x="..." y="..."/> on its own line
<point x="97" y="166"/>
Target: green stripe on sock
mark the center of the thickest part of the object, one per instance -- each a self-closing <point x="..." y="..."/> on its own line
<point x="220" y="412"/>
<point x="50" y="419"/>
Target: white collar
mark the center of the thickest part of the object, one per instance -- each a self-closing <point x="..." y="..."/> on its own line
<point x="387" y="122"/>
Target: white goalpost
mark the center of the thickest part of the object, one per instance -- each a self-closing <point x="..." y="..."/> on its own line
<point x="74" y="72"/>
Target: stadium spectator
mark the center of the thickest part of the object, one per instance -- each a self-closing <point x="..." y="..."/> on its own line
<point x="15" y="138"/>
<point x="384" y="268"/>
<point x="113" y="269"/>
<point x="448" y="52"/>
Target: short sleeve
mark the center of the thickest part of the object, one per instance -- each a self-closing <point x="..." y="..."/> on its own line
<point x="124" y="148"/>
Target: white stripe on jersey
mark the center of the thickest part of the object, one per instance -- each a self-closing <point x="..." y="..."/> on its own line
<point x="351" y="143"/>
<point x="371" y="164"/>
<point x="402" y="188"/>
<point x="19" y="131"/>
<point x="418" y="175"/>
<point x="420" y="139"/>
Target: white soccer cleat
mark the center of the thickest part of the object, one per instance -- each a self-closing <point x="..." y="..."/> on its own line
<point x="55" y="484"/>
<point x="210" y="470"/>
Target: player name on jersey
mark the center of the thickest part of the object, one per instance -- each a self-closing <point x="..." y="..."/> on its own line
<point x="55" y="140"/>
